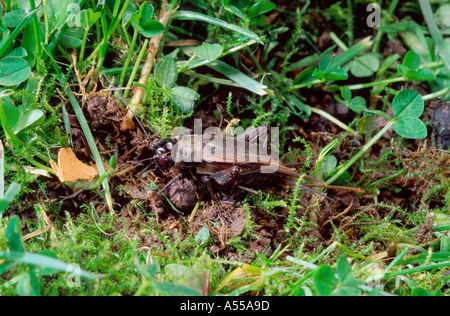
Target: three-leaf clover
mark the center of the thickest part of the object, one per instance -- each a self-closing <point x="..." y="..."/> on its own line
<point x="325" y="71"/>
<point x="357" y="104"/>
<point x="407" y="106"/>
<point x="410" y="68"/>
<point x="166" y="75"/>
<point x="142" y="22"/>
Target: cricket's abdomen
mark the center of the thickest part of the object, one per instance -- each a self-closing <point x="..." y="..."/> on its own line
<point x="260" y="180"/>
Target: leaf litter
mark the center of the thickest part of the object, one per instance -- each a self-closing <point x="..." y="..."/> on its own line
<point x="70" y="168"/>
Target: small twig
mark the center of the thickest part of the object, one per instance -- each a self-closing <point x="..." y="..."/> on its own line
<point x="230" y="126"/>
<point x="152" y="200"/>
<point x="164" y="18"/>
<point x="48" y="222"/>
<point x="197" y="205"/>
<point x="336" y="216"/>
<point x="77" y="73"/>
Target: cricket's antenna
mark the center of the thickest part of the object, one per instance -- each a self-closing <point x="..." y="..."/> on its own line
<point x="125" y="102"/>
<point x="63" y="198"/>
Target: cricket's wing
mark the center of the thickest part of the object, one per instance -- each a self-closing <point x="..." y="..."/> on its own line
<point x="247" y="150"/>
<point x="213" y="167"/>
<point x="248" y="147"/>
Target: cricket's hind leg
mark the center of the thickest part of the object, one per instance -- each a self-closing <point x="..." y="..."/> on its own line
<point x="225" y="180"/>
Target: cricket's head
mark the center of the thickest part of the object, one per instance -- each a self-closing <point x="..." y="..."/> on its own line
<point x="163" y="158"/>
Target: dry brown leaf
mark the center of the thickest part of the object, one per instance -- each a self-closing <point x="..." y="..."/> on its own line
<point x="70" y="168"/>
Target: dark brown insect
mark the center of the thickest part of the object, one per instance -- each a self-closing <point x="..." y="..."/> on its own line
<point x="245" y="168"/>
<point x="223" y="169"/>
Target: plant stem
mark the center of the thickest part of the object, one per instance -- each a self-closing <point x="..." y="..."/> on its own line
<point x="123" y="31"/>
<point x="338" y="41"/>
<point x="332" y="119"/>
<point x="186" y="64"/>
<point x="2" y="171"/>
<point x="144" y="285"/>
<point x="355" y="158"/>
<point x="205" y="62"/>
<point x="118" y="70"/>
<point x="127" y="61"/>
<point x="104" y="44"/>
<point x="164" y="17"/>
<point x="44" y="7"/>
<point x="118" y="19"/>
<point x="107" y="33"/>
<point x="435" y="94"/>
<point x="390" y="80"/>
<point x="197" y="205"/>
<point x="115" y="23"/>
<point x="390" y="13"/>
<point x="350" y="19"/>
<point x="115" y="11"/>
<point x="432" y="64"/>
<point x="135" y="69"/>
<point x="374" y="83"/>
<point x="305" y="84"/>
<point x="221" y="81"/>
<point x="83" y="45"/>
<point x="36" y="35"/>
<point x="417" y="269"/>
<point x="94" y="52"/>
<point x="255" y="60"/>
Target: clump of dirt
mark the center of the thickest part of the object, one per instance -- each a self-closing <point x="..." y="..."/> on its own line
<point x="224" y="222"/>
<point x="183" y="193"/>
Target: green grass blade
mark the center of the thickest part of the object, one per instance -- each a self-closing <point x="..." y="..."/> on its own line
<point x="441" y="228"/>
<point x="91" y="142"/>
<point x="425" y="257"/>
<point x="418" y="269"/>
<point x="239" y="77"/>
<point x="396" y="260"/>
<point x="41" y="260"/>
<point x="84" y="127"/>
<point x="305" y="62"/>
<point x="16" y="32"/>
<point x="341" y="169"/>
<point x="9" y="196"/>
<point x="2" y="172"/>
<point x="187" y="15"/>
<point x="434" y="31"/>
<point x="350" y="53"/>
<point x="306" y="264"/>
<point x="192" y="64"/>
